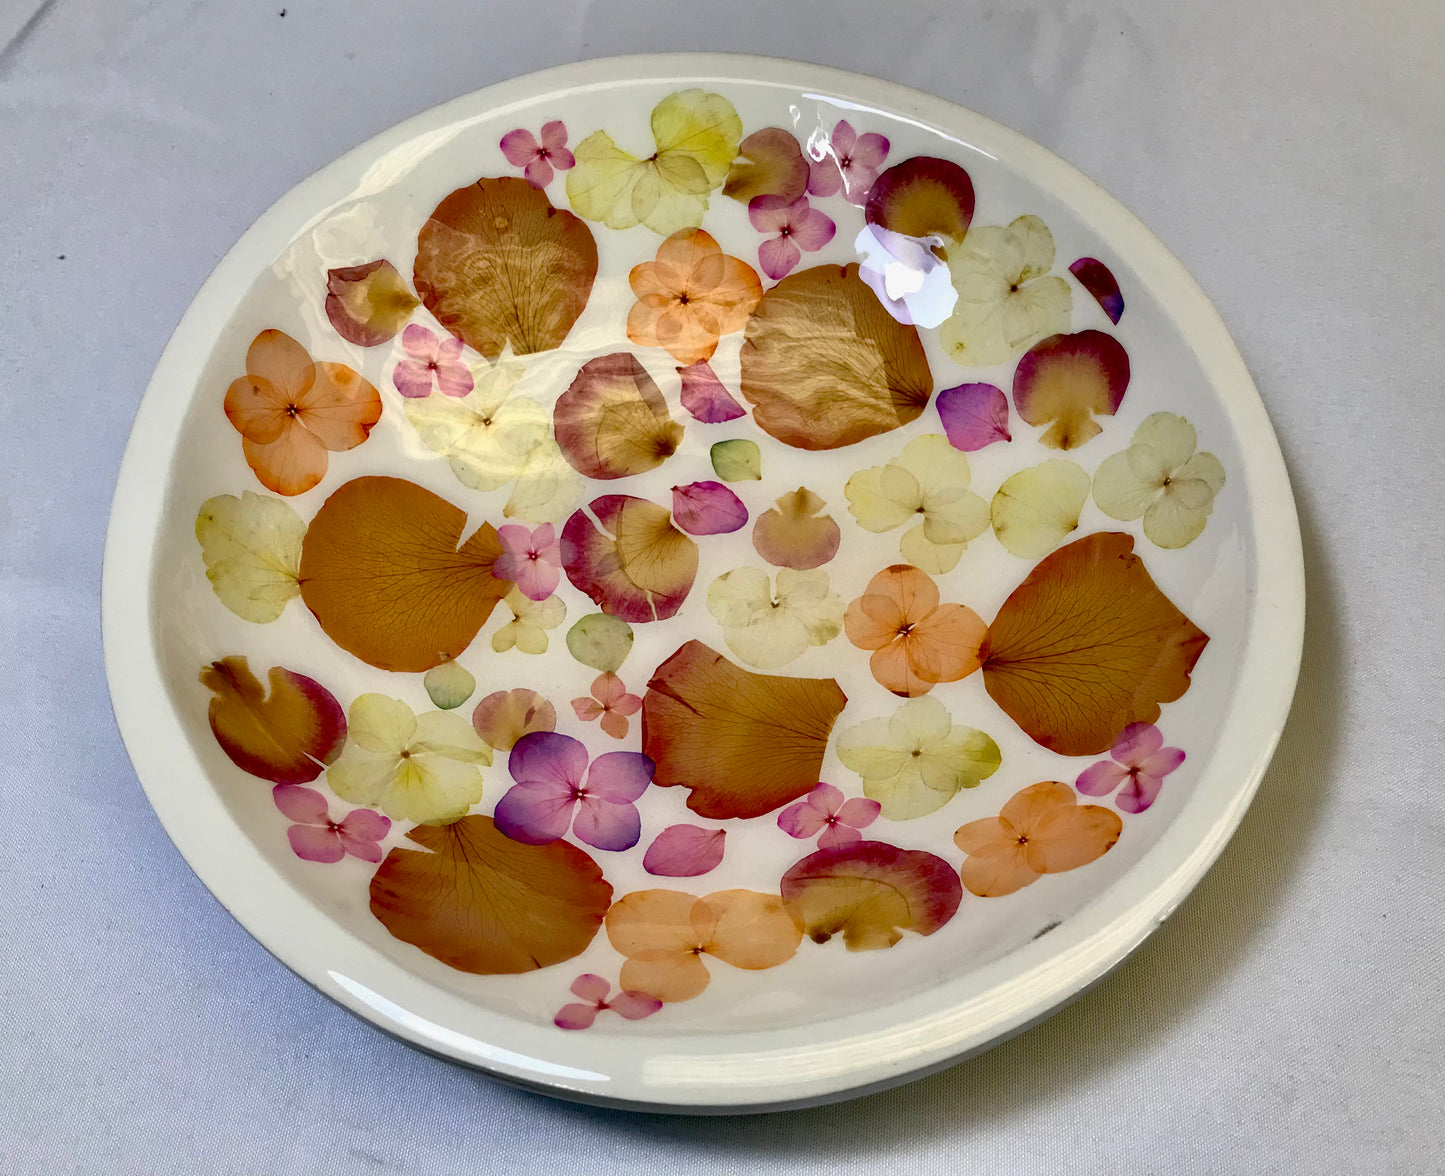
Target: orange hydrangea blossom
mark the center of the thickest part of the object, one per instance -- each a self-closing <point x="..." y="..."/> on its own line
<point x="291" y="410"/>
<point x="690" y="296"/>
<point x="1041" y="830"/>
<point x="917" y="642"/>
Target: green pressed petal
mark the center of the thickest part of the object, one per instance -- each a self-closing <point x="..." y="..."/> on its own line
<point x="918" y="723"/>
<point x="449" y="685"/>
<point x="505" y="638"/>
<point x="905" y="797"/>
<point x="600" y="641"/>
<point x="738" y="460"/>
<point x="381" y="724"/>
<point x="772" y="639"/>
<point x="1118" y="490"/>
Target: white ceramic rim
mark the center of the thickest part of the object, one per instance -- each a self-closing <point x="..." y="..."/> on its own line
<point x="776" y="1069"/>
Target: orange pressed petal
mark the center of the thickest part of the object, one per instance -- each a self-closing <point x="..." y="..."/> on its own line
<point x="291" y="464"/>
<point x="1065" y="838"/>
<point x="683" y="331"/>
<point x="256" y="409"/>
<point x="893" y="669"/>
<point x="686" y="250"/>
<point x="340" y="407"/>
<point x="978" y="836"/>
<point x="643" y="319"/>
<point x="747" y="929"/>
<point x="277" y="358"/>
<point x="1030" y="805"/>
<point x="872" y="621"/>
<point x="735" y="294"/>
<point x="653" y="925"/>
<point x="997" y="870"/>
<point x="944" y="644"/>
<point x="668" y="978"/>
<point x="650" y="280"/>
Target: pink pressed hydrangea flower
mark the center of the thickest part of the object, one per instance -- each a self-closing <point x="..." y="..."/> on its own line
<point x="317" y="838"/>
<point x="594" y="991"/>
<point x="554" y="782"/>
<point x="797" y="226"/>
<point x="1141" y="761"/>
<point x="851" y="162"/>
<point x="538" y="159"/>
<point x="431" y="361"/>
<point x="611" y="703"/>
<point x="531" y="558"/>
<point x="824" y="810"/>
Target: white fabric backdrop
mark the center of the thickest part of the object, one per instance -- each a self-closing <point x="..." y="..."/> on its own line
<point x="1288" y="1019"/>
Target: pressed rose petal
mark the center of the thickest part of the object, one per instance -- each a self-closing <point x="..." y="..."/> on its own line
<point x="770" y="162"/>
<point x="1065" y="380"/>
<point x="504" y="717"/>
<point x="316" y="844"/>
<point x="794" y="535"/>
<point x="704" y="396"/>
<point x="639" y="567"/>
<point x="1099" y="280"/>
<point x="287" y="736"/>
<point x="974" y="416"/>
<point x="922" y="197"/>
<point x="684" y="851"/>
<point x="707" y="508"/>
<point x="613" y="421"/>
<point x="368" y="304"/>
<point x="305" y="805"/>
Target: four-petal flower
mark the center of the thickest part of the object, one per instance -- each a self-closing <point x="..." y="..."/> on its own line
<point x="317" y="838"/>
<point x="798" y="228"/>
<point x="594" y="992"/>
<point x="531" y="558"/>
<point x="538" y="158"/>
<point x="609" y="702"/>
<point x="846" y="160"/>
<point x="431" y="361"/>
<point x="825" y="811"/>
<point x="1141" y="759"/>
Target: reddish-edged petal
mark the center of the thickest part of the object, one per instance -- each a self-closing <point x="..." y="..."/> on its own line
<point x="684" y="851"/>
<point x="520" y="147"/>
<point x="1162" y="762"/>
<point x="974" y="415"/>
<point x="604" y="824"/>
<point x="1099" y="280"/>
<point x="316" y="844"/>
<point x="1101" y="778"/>
<point x="620" y="776"/>
<point x="535" y="813"/>
<point x="305" y="805"/>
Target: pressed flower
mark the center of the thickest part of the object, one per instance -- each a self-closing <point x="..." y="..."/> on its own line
<point x="555" y="784"/>
<point x="527" y="630"/>
<point x="532" y="558"/>
<point x="690" y="296"/>
<point x="538" y="157"/>
<point x="927" y="484"/>
<point x="916" y="761"/>
<point x="799" y="229"/>
<point x="413" y="767"/>
<point x="1141" y="761"/>
<point x="431" y="363"/>
<point x="917" y="642"/>
<point x="315" y="837"/>
<point x="768" y="628"/>
<point x="609" y="702"/>
<point x="290" y="411"/>
<point x="1161" y="478"/>
<point x="1041" y="830"/>
<point x="824" y="811"/>
<point x="845" y="160"/>
<point x="594" y="992"/>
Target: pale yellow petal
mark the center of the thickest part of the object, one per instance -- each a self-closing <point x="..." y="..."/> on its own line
<point x="599" y="186"/>
<point x="1119" y="492"/>
<point x="252" y="550"/>
<point x="1171" y="438"/>
<point x="736" y="597"/>
<point x="1036" y="508"/>
<point x="361" y="777"/>
<point x="870" y="503"/>
<point x="381" y="724"/>
<point x="933" y="558"/>
<point x="448" y="734"/>
<point x="432" y="791"/>
<point x="1035" y="246"/>
<point x="701" y="125"/>
<point x="1179" y="514"/>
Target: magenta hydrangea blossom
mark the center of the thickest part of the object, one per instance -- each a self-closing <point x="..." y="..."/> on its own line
<point x="531" y="558"/>
<point x="850" y="161"/>
<point x="431" y="361"/>
<point x="1141" y="761"/>
<point x="824" y="810"/>
<point x="538" y="159"/>
<point x="798" y="228"/>
<point x="594" y="990"/>
<point x="317" y="838"/>
<point x="554" y="782"/>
